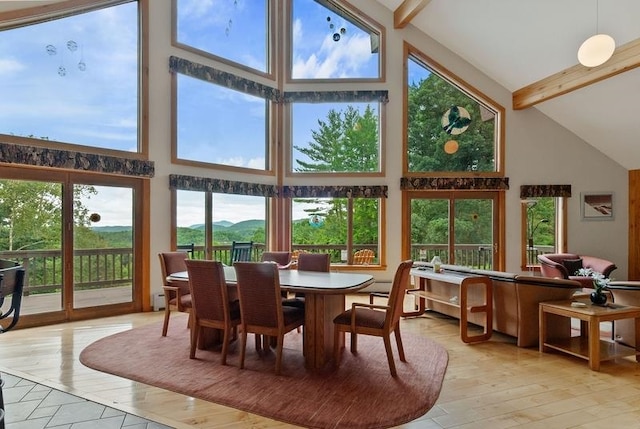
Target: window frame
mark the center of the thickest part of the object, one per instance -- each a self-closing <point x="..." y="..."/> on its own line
<point x="271" y="44"/>
<point x="338" y="7"/>
<point x="270" y="156"/>
<point x="328" y="97"/>
<point x="499" y="144"/>
<point x="26" y="17"/>
<point x="380" y="253"/>
<point x="560" y="233"/>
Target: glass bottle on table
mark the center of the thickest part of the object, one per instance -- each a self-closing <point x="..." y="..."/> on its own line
<point x="437" y="264"/>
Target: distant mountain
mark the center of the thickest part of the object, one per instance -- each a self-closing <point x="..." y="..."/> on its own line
<point x="247" y="225"/>
<point x="220" y="223"/>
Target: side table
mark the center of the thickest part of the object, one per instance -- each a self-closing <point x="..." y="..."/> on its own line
<point x="462" y="283"/>
<point x="588" y="345"/>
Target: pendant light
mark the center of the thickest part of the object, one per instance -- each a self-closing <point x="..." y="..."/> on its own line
<point x="596" y="50"/>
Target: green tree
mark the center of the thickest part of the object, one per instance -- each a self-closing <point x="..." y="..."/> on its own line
<point x="346" y="142"/>
<point x="429" y="99"/>
<point x="31" y="215"/>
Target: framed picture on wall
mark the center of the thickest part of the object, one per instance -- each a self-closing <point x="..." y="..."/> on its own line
<point x="596" y="205"/>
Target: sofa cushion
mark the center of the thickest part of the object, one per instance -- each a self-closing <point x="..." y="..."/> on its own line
<point x="572" y="265"/>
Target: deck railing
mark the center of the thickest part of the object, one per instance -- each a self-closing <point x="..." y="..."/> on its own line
<point x="111" y="267"/>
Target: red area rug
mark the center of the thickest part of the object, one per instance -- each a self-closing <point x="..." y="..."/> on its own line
<point x="360" y="394"/>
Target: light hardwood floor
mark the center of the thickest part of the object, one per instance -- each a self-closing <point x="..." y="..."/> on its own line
<point x="488" y="385"/>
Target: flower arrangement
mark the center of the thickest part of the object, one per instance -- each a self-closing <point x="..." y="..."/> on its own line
<point x="600" y="282"/>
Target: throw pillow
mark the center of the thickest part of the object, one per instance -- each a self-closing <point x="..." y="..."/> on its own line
<point x="572" y="265"/>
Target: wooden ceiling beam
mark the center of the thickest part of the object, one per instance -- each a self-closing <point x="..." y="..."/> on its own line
<point x="625" y="58"/>
<point x="403" y="15"/>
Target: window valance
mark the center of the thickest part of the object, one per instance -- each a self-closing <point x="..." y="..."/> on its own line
<point x="72" y="160"/>
<point x="210" y="74"/>
<point x="337" y="96"/>
<point x="538" y="191"/>
<point x="335" y="191"/>
<point x="458" y="183"/>
<point x="207" y="184"/>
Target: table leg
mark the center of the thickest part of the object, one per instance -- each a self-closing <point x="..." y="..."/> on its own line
<point x="320" y="311"/>
<point x="542" y="322"/>
<point x="637" y="320"/>
<point x="594" y="343"/>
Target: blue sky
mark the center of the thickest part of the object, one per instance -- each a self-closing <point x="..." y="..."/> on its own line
<point x="98" y="106"/>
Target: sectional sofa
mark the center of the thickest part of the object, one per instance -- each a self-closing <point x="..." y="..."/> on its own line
<point x="515" y="302"/>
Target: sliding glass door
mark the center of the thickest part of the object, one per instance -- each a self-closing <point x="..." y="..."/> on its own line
<point x="103" y="256"/>
<point x="76" y="236"/>
<point x="459" y="227"/>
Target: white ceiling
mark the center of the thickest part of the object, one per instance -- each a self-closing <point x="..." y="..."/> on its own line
<point x="518" y="42"/>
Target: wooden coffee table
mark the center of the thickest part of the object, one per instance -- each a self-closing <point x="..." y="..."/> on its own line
<point x="588" y="345"/>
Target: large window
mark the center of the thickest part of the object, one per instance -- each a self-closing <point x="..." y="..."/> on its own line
<point x="73" y="79"/>
<point x="234" y="112"/>
<point x="231" y="30"/>
<point x="335" y="137"/>
<point x="459" y="227"/>
<point x="213" y="221"/>
<point x="544" y="221"/>
<point x="338" y="226"/>
<point x="220" y="125"/>
<point x="451" y="128"/>
<point x="330" y="42"/>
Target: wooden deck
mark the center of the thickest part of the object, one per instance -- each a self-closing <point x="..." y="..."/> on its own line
<point x="44" y="302"/>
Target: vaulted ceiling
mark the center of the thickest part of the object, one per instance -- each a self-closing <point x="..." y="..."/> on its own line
<point x="530" y="46"/>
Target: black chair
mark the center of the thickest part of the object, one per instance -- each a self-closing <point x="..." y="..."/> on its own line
<point x="11" y="285"/>
<point x="189" y="248"/>
<point x="241" y="251"/>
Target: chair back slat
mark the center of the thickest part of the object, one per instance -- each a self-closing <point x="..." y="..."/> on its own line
<point x="397" y="293"/>
<point x="320" y="262"/>
<point x="209" y="294"/>
<point x="259" y="292"/>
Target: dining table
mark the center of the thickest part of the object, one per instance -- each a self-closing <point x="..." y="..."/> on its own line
<point x="324" y="294"/>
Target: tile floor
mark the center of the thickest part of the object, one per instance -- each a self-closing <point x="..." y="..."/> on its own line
<point x="29" y="405"/>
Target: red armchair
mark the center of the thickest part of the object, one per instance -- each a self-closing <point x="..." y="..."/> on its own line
<point x="565" y="265"/>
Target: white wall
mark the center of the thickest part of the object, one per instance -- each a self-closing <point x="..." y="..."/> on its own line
<point x="538" y="151"/>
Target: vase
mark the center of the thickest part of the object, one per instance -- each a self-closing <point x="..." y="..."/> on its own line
<point x="598" y="298"/>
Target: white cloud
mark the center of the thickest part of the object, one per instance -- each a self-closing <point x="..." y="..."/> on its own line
<point x="240" y="161"/>
<point x="9" y="66"/>
<point x="335" y="59"/>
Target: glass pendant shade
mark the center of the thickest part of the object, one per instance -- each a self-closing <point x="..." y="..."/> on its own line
<point x="596" y="50"/>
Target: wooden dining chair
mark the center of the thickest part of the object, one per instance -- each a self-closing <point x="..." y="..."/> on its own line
<point x="377" y="320"/>
<point x="261" y="306"/>
<point x="283" y="259"/>
<point x="320" y="262"/>
<point x="211" y="306"/>
<point x="314" y="262"/>
<point x="176" y="294"/>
